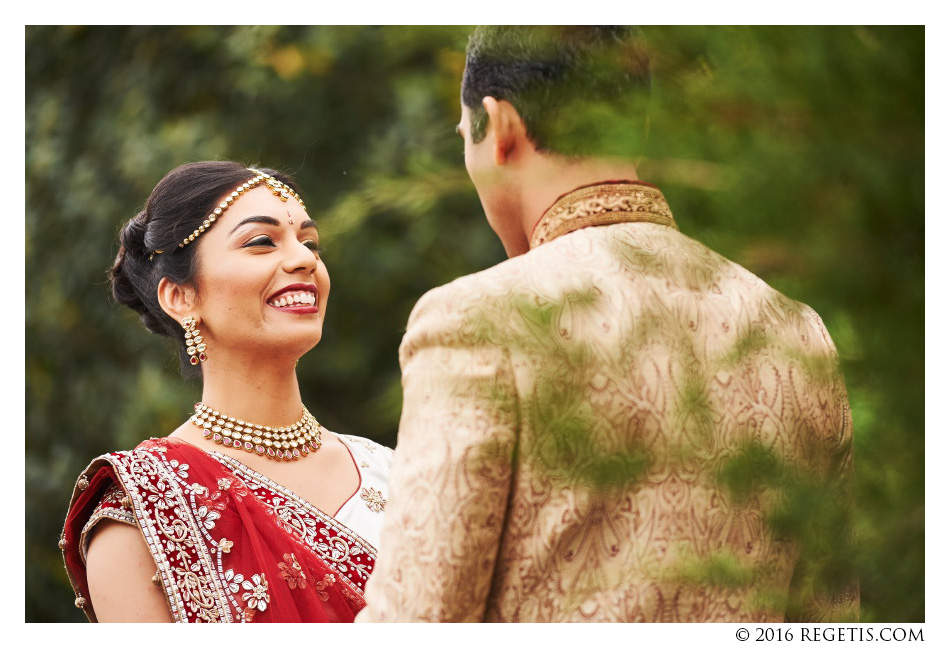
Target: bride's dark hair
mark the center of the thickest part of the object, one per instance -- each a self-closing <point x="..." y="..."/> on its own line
<point x="177" y="206"/>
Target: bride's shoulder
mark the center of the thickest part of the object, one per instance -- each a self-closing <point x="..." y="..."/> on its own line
<point x="151" y="461"/>
<point x="363" y="444"/>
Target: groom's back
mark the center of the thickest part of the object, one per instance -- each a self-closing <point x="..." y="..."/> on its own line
<point x="654" y="379"/>
<point x="612" y="427"/>
<point x="616" y="423"/>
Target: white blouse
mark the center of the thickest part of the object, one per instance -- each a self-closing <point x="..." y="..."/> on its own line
<point x="363" y="512"/>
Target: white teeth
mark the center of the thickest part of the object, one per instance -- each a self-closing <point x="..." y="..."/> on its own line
<point x="304" y="297"/>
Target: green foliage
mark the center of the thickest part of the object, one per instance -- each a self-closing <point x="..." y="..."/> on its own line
<point x="797" y="152"/>
<point x="718" y="570"/>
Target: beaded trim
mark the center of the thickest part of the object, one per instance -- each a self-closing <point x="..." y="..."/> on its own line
<point x="283" y="443"/>
<point x="278" y="188"/>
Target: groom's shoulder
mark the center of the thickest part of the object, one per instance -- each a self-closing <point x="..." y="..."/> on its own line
<point x="489" y="295"/>
<point x="489" y="288"/>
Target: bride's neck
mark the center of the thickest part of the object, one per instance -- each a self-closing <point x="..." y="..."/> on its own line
<point x="266" y="393"/>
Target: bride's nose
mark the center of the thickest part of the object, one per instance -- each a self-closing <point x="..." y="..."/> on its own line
<point x="300" y="257"/>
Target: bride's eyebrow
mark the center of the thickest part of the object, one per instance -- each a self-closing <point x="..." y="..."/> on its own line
<point x="267" y="220"/>
<point x="308" y="223"/>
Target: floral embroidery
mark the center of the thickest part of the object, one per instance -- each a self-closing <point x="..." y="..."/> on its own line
<point x="346" y="552"/>
<point x="181" y="521"/>
<point x="207" y="517"/>
<point x="235" y="487"/>
<point x="233" y="581"/>
<point x="215" y="502"/>
<point x="256" y="595"/>
<point x="322" y="586"/>
<point x="220" y="500"/>
<point x="292" y="572"/>
<point x="365" y="464"/>
<point x="181" y="470"/>
<point x="374" y="499"/>
<point x="165" y="498"/>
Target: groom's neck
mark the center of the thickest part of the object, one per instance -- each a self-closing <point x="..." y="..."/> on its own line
<point x="551" y="176"/>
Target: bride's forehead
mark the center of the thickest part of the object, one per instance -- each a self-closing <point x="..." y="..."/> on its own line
<point x="263" y="202"/>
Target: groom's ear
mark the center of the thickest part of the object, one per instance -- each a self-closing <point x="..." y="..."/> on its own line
<point x="507" y="129"/>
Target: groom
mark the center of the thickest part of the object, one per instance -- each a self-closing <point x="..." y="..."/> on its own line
<point x="617" y="423"/>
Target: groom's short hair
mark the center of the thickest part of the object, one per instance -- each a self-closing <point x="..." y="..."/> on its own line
<point x="577" y="88"/>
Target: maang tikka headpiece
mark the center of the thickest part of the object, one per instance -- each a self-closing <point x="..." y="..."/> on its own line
<point x="277" y="187"/>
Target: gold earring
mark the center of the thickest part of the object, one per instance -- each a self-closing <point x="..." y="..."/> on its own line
<point x="196" y="345"/>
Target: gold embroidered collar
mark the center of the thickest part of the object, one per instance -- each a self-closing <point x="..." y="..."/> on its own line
<point x="602" y="204"/>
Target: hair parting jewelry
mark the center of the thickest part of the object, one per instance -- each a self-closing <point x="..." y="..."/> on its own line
<point x="196" y="344"/>
<point x="278" y="188"/>
<point x="282" y="443"/>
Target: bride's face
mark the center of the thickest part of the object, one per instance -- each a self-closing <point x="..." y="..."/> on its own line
<point x="260" y="283"/>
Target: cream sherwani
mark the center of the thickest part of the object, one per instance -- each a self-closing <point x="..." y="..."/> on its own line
<point x="585" y="427"/>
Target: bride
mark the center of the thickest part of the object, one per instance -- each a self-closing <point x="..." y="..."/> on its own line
<point x="250" y="510"/>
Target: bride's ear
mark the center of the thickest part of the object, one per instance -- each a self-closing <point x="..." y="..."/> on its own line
<point x="177" y="301"/>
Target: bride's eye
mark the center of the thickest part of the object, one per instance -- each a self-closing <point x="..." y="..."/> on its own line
<point x="313" y="245"/>
<point x="262" y="240"/>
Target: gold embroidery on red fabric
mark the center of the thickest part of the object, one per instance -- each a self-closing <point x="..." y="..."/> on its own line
<point x="111" y="507"/>
<point x="178" y="517"/>
<point x="322" y="585"/>
<point x="344" y="550"/>
<point x="189" y="569"/>
<point x="256" y="596"/>
<point x="292" y="572"/>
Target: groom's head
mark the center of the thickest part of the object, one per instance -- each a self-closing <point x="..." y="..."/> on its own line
<point x="541" y="103"/>
<point x="580" y="90"/>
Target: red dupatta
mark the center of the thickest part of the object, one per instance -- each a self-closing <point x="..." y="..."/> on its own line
<point x="228" y="544"/>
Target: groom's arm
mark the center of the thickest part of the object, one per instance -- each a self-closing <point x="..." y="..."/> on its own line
<point x="452" y="469"/>
<point x="824" y="587"/>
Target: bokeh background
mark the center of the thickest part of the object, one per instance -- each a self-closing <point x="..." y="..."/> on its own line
<point x="798" y="152"/>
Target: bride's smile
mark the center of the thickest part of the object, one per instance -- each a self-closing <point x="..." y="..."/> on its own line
<point x="296" y="298"/>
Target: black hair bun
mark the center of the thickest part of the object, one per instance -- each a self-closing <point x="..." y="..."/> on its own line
<point x="130" y="267"/>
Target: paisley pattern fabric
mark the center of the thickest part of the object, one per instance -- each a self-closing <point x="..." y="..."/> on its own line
<point x="605" y="429"/>
<point x="229" y="544"/>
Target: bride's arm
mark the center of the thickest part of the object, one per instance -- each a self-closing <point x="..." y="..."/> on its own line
<point x="119" y="570"/>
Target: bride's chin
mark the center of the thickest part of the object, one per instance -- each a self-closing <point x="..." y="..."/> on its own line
<point x="299" y="350"/>
<point x="277" y="345"/>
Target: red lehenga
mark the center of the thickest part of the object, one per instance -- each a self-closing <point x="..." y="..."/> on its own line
<point x="230" y="545"/>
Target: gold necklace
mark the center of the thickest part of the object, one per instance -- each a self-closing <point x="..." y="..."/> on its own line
<point x="282" y="443"/>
